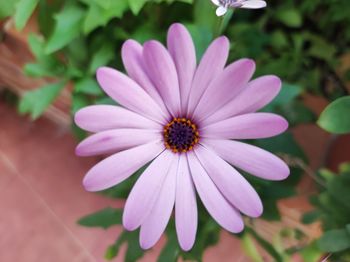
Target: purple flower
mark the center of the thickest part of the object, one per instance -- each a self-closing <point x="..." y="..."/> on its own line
<point x="223" y="5"/>
<point x="185" y="121"/>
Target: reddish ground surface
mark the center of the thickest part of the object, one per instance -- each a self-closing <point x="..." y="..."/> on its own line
<point x="41" y="198"/>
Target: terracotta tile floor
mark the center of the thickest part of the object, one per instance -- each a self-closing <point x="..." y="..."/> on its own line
<point x="41" y="198"/>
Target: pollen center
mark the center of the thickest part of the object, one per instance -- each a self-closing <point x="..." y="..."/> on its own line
<point x="180" y="135"/>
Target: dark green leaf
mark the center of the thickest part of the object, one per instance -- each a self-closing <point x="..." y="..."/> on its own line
<point x="88" y="86"/>
<point x="133" y="251"/>
<point x="104" y="218"/>
<point x="290" y="17"/>
<point x="170" y="251"/>
<point x="311" y="216"/>
<point x="334" y="240"/>
<point x="101" y="57"/>
<point x="335" y="118"/>
<point x="265" y="244"/>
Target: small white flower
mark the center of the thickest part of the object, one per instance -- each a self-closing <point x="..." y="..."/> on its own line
<point x="224" y="4"/>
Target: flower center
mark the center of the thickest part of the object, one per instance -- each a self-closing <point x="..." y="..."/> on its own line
<point x="180" y="135"/>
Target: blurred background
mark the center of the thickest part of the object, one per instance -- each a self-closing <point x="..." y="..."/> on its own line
<point x="49" y="52"/>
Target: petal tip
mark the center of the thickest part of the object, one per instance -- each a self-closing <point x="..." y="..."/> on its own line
<point x="257" y="211"/>
<point x="145" y="244"/>
<point x="78" y="150"/>
<point x="88" y="185"/>
<point x="186" y="246"/>
<point x="78" y="118"/>
<point x="177" y="27"/>
<point x="223" y="40"/>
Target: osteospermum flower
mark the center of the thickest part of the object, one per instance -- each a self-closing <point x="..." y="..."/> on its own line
<point x="185" y="121"/>
<point x="223" y="5"/>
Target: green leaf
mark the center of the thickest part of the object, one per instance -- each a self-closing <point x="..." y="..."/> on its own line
<point x="104" y="218"/>
<point x="288" y="93"/>
<point x="88" y="86"/>
<point x="136" y="5"/>
<point x="311" y="253"/>
<point x="250" y="249"/>
<point x="311" y="217"/>
<point x="133" y="251"/>
<point x="334" y="240"/>
<point x="170" y="251"/>
<point x="335" y="118"/>
<point x="101" y="57"/>
<point x="24" y="10"/>
<point x="100" y="16"/>
<point x="7" y="8"/>
<point x="35" y="102"/>
<point x="113" y="250"/>
<point x="265" y="244"/>
<point x="290" y="17"/>
<point x="46" y="65"/>
<point x="67" y="27"/>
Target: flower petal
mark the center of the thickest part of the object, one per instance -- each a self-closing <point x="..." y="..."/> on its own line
<point x="161" y="70"/>
<point x="128" y="93"/>
<point x="98" y="118"/>
<point x="223" y="88"/>
<point x="216" y="2"/>
<point x="182" y="50"/>
<point x="112" y="141"/>
<point x="255" y="96"/>
<point x="248" y="126"/>
<point x="146" y="191"/>
<point x="132" y="59"/>
<point x="221" y="10"/>
<point x="216" y="204"/>
<point x="231" y="184"/>
<point x="186" y="217"/>
<point x="155" y="223"/>
<point x="212" y="63"/>
<point x="251" y="159"/>
<point x="118" y="167"/>
<point x="253" y="4"/>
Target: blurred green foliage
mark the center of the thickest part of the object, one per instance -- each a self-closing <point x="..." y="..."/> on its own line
<point x="332" y="208"/>
<point x="301" y="41"/>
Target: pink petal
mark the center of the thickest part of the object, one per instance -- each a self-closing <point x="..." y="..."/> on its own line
<point x="161" y="70"/>
<point x="183" y="52"/>
<point x="155" y="223"/>
<point x="255" y="96"/>
<point x="211" y="65"/>
<point x="128" y="93"/>
<point x="186" y="217"/>
<point x="146" y="191"/>
<point x="251" y="159"/>
<point x="132" y="59"/>
<point x="223" y="88"/>
<point x="253" y="4"/>
<point x="118" y="167"/>
<point x="104" y="117"/>
<point x="248" y="126"/>
<point x="216" y="204"/>
<point x="112" y="141"/>
<point x="230" y="183"/>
